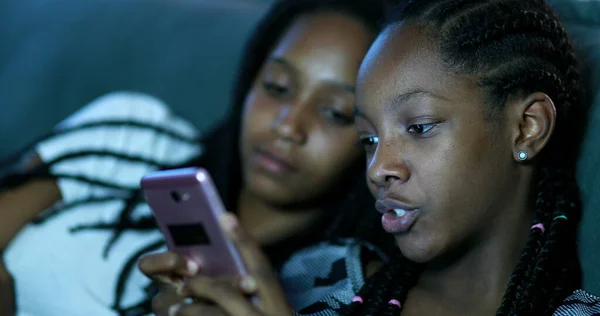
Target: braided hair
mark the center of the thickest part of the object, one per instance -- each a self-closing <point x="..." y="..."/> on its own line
<point x="344" y="216"/>
<point x="514" y="48"/>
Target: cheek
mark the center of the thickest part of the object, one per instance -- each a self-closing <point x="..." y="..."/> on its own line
<point x="372" y="187"/>
<point x="464" y="153"/>
<point x="459" y="178"/>
<point x="259" y="112"/>
<point x="333" y="151"/>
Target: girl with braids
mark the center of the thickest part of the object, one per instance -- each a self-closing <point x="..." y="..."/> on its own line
<point x="471" y="117"/>
<point x="285" y="162"/>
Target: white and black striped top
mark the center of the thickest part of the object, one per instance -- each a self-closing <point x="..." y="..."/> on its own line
<point x="58" y="272"/>
<point x="320" y="280"/>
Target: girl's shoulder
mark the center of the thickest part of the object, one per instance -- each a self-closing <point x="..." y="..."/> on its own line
<point x="116" y="139"/>
<point x="318" y="280"/>
<point x="130" y="122"/>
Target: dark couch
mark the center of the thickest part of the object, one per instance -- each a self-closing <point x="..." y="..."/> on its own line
<point x="57" y="55"/>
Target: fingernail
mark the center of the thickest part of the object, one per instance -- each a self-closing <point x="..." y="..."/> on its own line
<point x="229" y="222"/>
<point x="174" y="309"/>
<point x="248" y="285"/>
<point x="192" y="267"/>
<point x="179" y="289"/>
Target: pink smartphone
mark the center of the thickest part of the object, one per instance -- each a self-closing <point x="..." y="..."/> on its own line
<point x="187" y="208"/>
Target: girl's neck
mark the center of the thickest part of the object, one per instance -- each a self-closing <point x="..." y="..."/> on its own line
<point x="268" y="223"/>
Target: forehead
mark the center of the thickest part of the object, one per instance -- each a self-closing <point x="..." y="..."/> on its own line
<point x="404" y="59"/>
<point x="327" y="44"/>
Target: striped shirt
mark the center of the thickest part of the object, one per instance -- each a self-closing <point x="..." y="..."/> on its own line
<point x="64" y="273"/>
<point x="321" y="279"/>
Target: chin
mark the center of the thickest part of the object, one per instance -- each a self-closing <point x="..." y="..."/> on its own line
<point x="271" y="191"/>
<point x="415" y="249"/>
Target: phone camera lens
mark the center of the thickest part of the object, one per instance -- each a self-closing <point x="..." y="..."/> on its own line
<point x="176" y="196"/>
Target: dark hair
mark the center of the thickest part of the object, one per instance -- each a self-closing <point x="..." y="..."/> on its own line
<point x="513" y="48"/>
<point x="344" y="216"/>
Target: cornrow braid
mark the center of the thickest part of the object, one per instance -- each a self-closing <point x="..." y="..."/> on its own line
<point x="526" y="264"/>
<point x="514" y="48"/>
<point x="408" y="277"/>
<point x="557" y="255"/>
<point x="522" y="272"/>
<point x="392" y="281"/>
<point x="520" y="22"/>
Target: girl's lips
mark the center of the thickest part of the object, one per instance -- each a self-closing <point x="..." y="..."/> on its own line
<point x="385" y="205"/>
<point x="274" y="162"/>
<point x="397" y="217"/>
<point x="395" y="224"/>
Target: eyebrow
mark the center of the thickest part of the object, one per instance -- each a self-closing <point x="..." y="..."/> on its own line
<point x="415" y="93"/>
<point x="286" y="64"/>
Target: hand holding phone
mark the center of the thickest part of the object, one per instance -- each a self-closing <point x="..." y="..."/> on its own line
<point x="258" y="293"/>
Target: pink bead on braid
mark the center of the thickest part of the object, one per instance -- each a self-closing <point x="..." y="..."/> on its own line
<point x="357" y="299"/>
<point x="540" y="226"/>
<point x="395" y="302"/>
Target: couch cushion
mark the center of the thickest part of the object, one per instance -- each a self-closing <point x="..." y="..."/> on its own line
<point x="58" y="55"/>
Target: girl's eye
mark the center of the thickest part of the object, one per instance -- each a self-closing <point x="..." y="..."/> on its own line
<point x="421" y="128"/>
<point x="338" y="118"/>
<point x="276" y="90"/>
<point x="369" y="143"/>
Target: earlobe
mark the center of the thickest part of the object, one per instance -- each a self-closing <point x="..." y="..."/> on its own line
<point x="537" y="118"/>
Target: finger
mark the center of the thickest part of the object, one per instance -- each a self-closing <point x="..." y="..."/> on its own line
<point x="196" y="310"/>
<point x="224" y="293"/>
<point x="163" y="302"/>
<point x="259" y="267"/>
<point x="167" y="267"/>
<point x="248" y="285"/>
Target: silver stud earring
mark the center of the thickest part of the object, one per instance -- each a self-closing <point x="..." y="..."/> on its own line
<point x="523" y="155"/>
